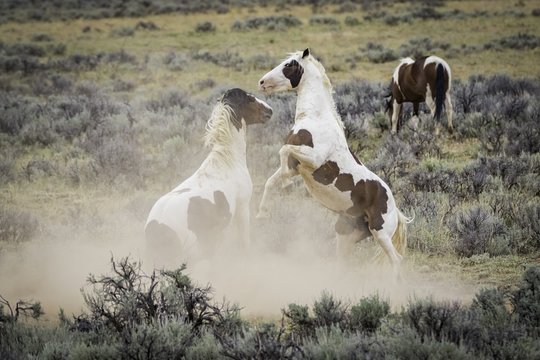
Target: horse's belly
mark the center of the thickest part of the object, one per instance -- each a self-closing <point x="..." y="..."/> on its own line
<point x="329" y="195"/>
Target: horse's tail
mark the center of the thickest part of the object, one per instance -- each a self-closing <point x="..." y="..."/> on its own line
<point x="439" y="89"/>
<point x="399" y="239"/>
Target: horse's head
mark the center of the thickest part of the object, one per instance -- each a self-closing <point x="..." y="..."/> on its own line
<point x="246" y="107"/>
<point x="287" y="75"/>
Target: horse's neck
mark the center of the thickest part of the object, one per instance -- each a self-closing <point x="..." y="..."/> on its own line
<point x="315" y="101"/>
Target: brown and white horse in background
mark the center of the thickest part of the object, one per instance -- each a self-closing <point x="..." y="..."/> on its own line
<point x="214" y="201"/>
<point x="316" y="149"/>
<point x="429" y="80"/>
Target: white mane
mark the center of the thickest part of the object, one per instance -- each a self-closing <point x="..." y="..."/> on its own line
<point x="219" y="135"/>
<point x="328" y="86"/>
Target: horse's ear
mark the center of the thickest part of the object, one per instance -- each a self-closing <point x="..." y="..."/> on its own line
<point x="306" y="53"/>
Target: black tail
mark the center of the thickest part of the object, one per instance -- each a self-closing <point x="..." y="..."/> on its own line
<point x="440" y="93"/>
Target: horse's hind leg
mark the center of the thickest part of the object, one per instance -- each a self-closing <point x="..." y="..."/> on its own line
<point x="385" y="241"/>
<point x="395" y="116"/>
<point x="349" y="231"/>
<point x="415" y="119"/>
<point x="449" y="112"/>
<point x="430" y="102"/>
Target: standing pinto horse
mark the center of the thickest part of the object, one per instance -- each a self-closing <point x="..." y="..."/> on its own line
<point x="215" y="199"/>
<point x="427" y="79"/>
<point x="316" y="149"/>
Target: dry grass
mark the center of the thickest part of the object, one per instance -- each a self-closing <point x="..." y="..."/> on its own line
<point x="177" y="33"/>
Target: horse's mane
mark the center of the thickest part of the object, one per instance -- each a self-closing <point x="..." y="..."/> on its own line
<point x="328" y="86"/>
<point x="218" y="135"/>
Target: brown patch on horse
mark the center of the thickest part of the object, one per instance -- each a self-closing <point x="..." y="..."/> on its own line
<point x="326" y="173"/>
<point x="207" y="219"/>
<point x="412" y="82"/>
<point x="344" y="182"/>
<point x="158" y="233"/>
<point x="245" y="106"/>
<point x="369" y="198"/>
<point x="293" y="71"/>
<point x="302" y="137"/>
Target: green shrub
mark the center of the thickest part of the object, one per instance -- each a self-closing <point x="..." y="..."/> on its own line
<point x="393" y="160"/>
<point x="410" y="346"/>
<point x="123" y="31"/>
<point x="205" y="27"/>
<point x="41" y="37"/>
<point x="478" y="231"/>
<point x="299" y="322"/>
<point x="431" y="320"/>
<point x="132" y="315"/>
<point x="328" y="311"/>
<point x="368" y="313"/>
<point x="268" y="23"/>
<point x="335" y="343"/>
<point x="526" y="301"/>
<point x="519" y="41"/>
<point x="352" y="21"/>
<point x="377" y="53"/>
<point x="323" y="20"/>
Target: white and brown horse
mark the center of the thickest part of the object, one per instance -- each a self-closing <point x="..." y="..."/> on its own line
<point x="214" y="201"/>
<point x="316" y="149"/>
<point x="428" y="79"/>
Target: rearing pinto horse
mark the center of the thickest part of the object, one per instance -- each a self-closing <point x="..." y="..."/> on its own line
<point x="428" y="79"/>
<point x="316" y="149"/>
<point x="214" y="201"/>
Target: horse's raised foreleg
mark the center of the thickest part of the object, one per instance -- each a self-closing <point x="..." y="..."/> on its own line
<point x="306" y="155"/>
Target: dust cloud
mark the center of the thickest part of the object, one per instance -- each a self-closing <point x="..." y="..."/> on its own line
<point x="291" y="260"/>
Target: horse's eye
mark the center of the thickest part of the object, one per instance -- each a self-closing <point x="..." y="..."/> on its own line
<point x="288" y="65"/>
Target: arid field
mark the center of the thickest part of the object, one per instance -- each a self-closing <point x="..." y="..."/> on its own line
<point x="103" y="107"/>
